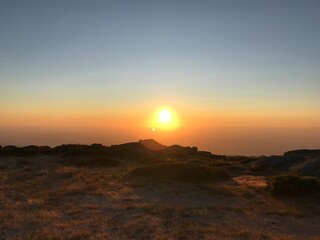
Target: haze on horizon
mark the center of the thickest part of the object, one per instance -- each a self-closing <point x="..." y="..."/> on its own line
<point x="242" y="76"/>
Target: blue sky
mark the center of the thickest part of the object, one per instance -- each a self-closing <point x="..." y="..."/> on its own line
<point x="264" y="45"/>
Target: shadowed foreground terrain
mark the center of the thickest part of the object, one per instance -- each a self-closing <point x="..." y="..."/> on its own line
<point x="146" y="190"/>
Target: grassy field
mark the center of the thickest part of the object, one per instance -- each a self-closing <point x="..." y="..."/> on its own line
<point x="41" y="197"/>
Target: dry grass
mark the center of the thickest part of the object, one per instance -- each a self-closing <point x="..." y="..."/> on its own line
<point x="42" y="199"/>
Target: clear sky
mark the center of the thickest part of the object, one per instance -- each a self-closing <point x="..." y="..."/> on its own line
<point x="243" y="76"/>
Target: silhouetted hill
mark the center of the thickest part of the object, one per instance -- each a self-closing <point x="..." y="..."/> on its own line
<point x="152" y="144"/>
<point x="302" y="162"/>
<point x="141" y="149"/>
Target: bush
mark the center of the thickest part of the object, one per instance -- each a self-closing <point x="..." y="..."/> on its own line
<point x="183" y="172"/>
<point x="31" y="150"/>
<point x="293" y="185"/>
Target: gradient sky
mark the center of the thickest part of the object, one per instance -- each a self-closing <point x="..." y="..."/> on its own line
<point x="243" y="76"/>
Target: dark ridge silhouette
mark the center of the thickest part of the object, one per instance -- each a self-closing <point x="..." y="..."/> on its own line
<point x="24" y="151"/>
<point x="80" y="150"/>
<point x="303" y="152"/>
<point x="152" y="144"/>
<point x="9" y="148"/>
<point x="143" y="149"/>
<point x="303" y="162"/>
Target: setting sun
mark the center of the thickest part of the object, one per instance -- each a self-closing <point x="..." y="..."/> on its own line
<point x="164" y="116"/>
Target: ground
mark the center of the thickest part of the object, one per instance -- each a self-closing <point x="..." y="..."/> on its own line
<point x="43" y="198"/>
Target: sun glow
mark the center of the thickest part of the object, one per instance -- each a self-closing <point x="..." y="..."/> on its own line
<point x="164" y="116"/>
<point x="165" y="119"/>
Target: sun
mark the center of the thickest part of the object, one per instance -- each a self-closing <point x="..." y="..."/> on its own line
<point x="165" y="116"/>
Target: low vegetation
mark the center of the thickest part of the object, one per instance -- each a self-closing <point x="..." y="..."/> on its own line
<point x="294" y="185"/>
<point x="183" y="172"/>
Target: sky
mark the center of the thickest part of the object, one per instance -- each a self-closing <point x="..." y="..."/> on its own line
<point x="243" y="77"/>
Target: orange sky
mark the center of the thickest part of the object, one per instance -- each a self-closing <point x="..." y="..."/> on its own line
<point x="223" y="132"/>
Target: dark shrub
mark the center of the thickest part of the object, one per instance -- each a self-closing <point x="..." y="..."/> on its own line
<point x="183" y="172"/>
<point x="293" y="185"/>
<point x="303" y="152"/>
<point x="29" y="150"/>
<point x="9" y="150"/>
<point x="72" y="150"/>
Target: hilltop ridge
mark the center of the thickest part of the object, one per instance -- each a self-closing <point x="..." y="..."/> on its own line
<point x="303" y="162"/>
